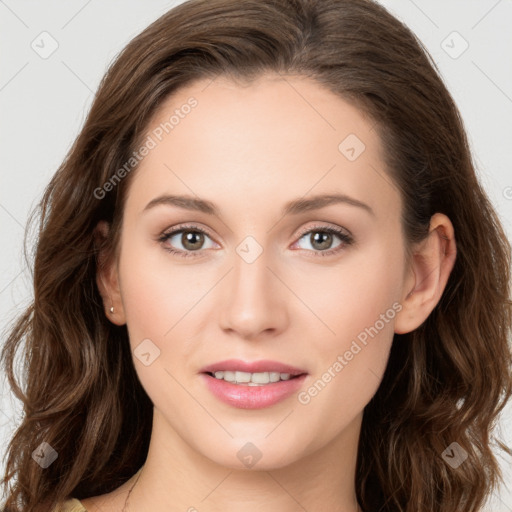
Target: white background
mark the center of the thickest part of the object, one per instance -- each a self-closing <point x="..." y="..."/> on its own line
<point x="43" y="103"/>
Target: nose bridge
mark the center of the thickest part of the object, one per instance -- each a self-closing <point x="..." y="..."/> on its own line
<point x="250" y="273"/>
<point x="254" y="302"/>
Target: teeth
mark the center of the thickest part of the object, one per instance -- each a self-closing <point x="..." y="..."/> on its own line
<point x="260" y="378"/>
<point x="274" y="376"/>
<point x="242" y="377"/>
<point x="251" y="379"/>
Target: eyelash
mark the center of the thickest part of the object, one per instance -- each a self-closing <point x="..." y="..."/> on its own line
<point x="345" y="238"/>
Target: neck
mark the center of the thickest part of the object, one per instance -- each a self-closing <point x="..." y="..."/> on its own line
<point x="178" y="477"/>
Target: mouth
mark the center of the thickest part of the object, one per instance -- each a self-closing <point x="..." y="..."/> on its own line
<point x="252" y="385"/>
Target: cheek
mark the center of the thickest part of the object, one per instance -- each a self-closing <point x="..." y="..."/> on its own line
<point x="157" y="296"/>
<point x="357" y="296"/>
<point x="156" y="292"/>
<point x="359" y="307"/>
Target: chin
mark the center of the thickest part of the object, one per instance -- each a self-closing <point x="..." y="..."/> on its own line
<point x="255" y="455"/>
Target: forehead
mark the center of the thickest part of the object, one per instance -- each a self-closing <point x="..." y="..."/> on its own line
<point x="255" y="143"/>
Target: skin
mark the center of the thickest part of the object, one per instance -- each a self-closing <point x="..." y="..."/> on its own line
<point x="250" y="149"/>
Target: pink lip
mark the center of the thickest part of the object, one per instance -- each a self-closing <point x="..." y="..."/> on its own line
<point x="254" y="367"/>
<point x="252" y="397"/>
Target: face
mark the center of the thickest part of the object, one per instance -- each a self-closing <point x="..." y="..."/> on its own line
<point x="267" y="276"/>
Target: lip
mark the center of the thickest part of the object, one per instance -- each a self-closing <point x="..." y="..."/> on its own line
<point x="252" y="397"/>
<point x="263" y="365"/>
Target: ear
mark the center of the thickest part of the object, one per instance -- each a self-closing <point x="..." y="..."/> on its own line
<point x="107" y="277"/>
<point x="431" y="265"/>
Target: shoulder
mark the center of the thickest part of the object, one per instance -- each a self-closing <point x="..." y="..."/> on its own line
<point x="71" y="505"/>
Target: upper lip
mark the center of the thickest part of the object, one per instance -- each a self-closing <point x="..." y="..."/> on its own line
<point x="252" y="367"/>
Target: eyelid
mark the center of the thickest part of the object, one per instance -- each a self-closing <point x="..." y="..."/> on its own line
<point x="302" y="232"/>
<point x="323" y="226"/>
<point x="186" y="226"/>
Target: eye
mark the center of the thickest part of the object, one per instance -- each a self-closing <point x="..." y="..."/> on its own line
<point x="321" y="238"/>
<point x="191" y="239"/>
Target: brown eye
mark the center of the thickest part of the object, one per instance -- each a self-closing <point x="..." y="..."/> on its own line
<point x="321" y="240"/>
<point x="191" y="239"/>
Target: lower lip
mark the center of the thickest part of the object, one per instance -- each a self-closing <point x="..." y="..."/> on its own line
<point x="253" y="397"/>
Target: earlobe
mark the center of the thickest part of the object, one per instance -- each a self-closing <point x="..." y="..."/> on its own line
<point x="107" y="278"/>
<point x="432" y="262"/>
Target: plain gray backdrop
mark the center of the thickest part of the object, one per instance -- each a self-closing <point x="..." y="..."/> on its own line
<point x="54" y="53"/>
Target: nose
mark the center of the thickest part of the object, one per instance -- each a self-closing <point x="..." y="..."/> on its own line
<point x="255" y="300"/>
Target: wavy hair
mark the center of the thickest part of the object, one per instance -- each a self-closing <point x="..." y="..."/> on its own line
<point x="445" y="382"/>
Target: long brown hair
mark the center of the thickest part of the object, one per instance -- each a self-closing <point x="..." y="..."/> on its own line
<point x="446" y="381"/>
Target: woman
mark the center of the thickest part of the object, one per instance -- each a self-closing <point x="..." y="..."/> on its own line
<point x="266" y="276"/>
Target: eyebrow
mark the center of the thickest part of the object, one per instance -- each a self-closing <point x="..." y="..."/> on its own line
<point x="294" y="207"/>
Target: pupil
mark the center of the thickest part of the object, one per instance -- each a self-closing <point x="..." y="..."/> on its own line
<point x="318" y="235"/>
<point x="192" y="238"/>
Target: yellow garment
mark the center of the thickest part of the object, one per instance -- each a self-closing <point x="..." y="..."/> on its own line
<point x="72" y="505"/>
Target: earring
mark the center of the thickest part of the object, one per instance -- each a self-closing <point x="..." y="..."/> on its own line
<point x="112" y="309"/>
